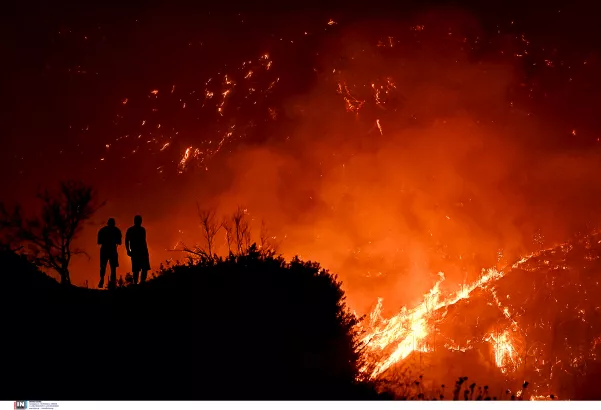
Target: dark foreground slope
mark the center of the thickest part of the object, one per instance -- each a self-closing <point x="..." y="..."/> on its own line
<point x="249" y="327"/>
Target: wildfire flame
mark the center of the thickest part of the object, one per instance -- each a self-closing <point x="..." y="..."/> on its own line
<point x="397" y="337"/>
<point x="505" y="352"/>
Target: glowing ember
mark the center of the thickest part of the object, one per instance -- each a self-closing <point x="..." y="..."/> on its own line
<point x="184" y="160"/>
<point x="543" y="398"/>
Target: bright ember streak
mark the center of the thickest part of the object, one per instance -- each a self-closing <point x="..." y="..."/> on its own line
<point x="184" y="160"/>
<point x="379" y="127"/>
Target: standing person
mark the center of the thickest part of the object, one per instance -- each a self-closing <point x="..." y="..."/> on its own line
<point x="109" y="237"/>
<point x="137" y="249"/>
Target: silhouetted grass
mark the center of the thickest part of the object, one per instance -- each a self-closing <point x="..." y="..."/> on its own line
<point x="405" y="386"/>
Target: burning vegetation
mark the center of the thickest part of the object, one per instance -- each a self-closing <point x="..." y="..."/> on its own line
<point x="536" y="320"/>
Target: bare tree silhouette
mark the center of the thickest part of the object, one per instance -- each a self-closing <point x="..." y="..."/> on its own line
<point x="268" y="243"/>
<point x="237" y="234"/>
<point x="229" y="233"/>
<point x="241" y="230"/>
<point x="210" y="227"/>
<point x="50" y="235"/>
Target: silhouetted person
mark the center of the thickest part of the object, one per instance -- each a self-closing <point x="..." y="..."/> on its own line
<point x="109" y="237"/>
<point x="137" y="249"/>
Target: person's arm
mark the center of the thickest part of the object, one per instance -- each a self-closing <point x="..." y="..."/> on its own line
<point x="100" y="237"/>
<point x="119" y="236"/>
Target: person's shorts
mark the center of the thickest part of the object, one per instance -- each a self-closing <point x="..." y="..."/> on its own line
<point x="140" y="261"/>
<point x="111" y="258"/>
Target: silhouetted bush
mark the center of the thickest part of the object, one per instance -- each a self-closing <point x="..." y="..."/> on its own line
<point x="249" y="326"/>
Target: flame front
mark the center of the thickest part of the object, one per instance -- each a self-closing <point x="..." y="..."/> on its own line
<point x="406" y="332"/>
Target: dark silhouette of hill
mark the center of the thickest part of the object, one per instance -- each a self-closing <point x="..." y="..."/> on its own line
<point x="247" y="327"/>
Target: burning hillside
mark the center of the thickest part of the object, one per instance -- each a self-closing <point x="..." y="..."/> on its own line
<point x="538" y="319"/>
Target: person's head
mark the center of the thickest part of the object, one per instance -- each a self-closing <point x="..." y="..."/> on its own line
<point x="137" y="220"/>
<point x="111" y="222"/>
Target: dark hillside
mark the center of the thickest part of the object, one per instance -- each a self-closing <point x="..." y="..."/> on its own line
<point x="248" y="327"/>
